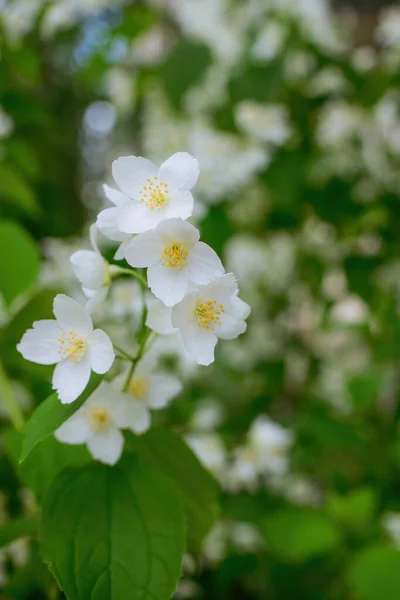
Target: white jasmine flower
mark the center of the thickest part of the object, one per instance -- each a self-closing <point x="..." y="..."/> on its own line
<point x="210" y="450"/>
<point x="99" y="421"/>
<point x="213" y="311"/>
<point x="174" y="257"/>
<point x="149" y="390"/>
<point x="71" y="343"/>
<point x="92" y="270"/>
<point x="150" y="195"/>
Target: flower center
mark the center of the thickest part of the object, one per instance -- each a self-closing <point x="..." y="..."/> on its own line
<point x="71" y="346"/>
<point x="208" y="314"/>
<point x="99" y="418"/>
<point x="139" y="387"/>
<point x="174" y="256"/>
<point x="154" y="194"/>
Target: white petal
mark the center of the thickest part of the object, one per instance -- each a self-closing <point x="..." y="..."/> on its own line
<point x="200" y="343"/>
<point x="177" y="230"/>
<point x="130" y="173"/>
<point x="180" y="170"/>
<point x="159" y="317"/>
<point x="107" y="446"/>
<point x="115" y="196"/>
<point x="93" y="237"/>
<point x="169" y="284"/>
<point x="136" y="217"/>
<point x="179" y="206"/>
<point x="100" y="352"/>
<point x="71" y="378"/>
<point x="240" y="308"/>
<point x="163" y="388"/>
<point x="108" y="224"/>
<point x="40" y="344"/>
<point x="145" y="249"/>
<point x="220" y="289"/>
<point x="75" y="430"/>
<point x="203" y="264"/>
<point x="90" y="268"/>
<point x="120" y="253"/>
<point x="131" y="414"/>
<point x="96" y="298"/>
<point x="183" y="314"/>
<point x="231" y="327"/>
<point x="71" y="316"/>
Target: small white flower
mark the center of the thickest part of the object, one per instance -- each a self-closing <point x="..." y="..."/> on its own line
<point x="71" y="343"/>
<point x="108" y="220"/>
<point x="99" y="421"/>
<point x="174" y="257"/>
<point x="150" y="195"/>
<point x="92" y="270"/>
<point x="149" y="390"/>
<point x="269" y="123"/>
<point x="213" y="311"/>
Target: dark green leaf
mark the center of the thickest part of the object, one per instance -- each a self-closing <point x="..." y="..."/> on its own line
<point x="113" y="533"/>
<point x="18" y="528"/>
<point x="199" y="490"/>
<point x="20" y="270"/>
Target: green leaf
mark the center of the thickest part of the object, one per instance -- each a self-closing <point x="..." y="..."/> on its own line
<point x="45" y="462"/>
<point x="112" y="533"/>
<point x="295" y="535"/>
<point x="16" y="529"/>
<point x="14" y="190"/>
<point x="21" y="268"/>
<point x="50" y="414"/>
<point x="355" y="510"/>
<point x="375" y="574"/>
<point x="183" y="68"/>
<point x="199" y="490"/>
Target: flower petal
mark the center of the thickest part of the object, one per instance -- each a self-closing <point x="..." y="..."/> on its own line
<point x="183" y="314"/>
<point x="200" y="343"/>
<point x="163" y="388"/>
<point x="100" y="352"/>
<point x="145" y="249"/>
<point x="203" y="264"/>
<point x="90" y="268"/>
<point x="115" y="196"/>
<point x="75" y="430"/>
<point x="177" y="230"/>
<point x="96" y="297"/>
<point x="136" y="217"/>
<point x="71" y="316"/>
<point x="169" y="284"/>
<point x="130" y="173"/>
<point x="120" y="253"/>
<point x="231" y="327"/>
<point x="108" y="224"/>
<point x="70" y="379"/>
<point x="179" y="206"/>
<point x="131" y="414"/>
<point x="40" y="344"/>
<point x="106" y="446"/>
<point x="159" y="317"/>
<point x="240" y="308"/>
<point x="93" y="237"/>
<point x="220" y="289"/>
<point x="180" y="170"/>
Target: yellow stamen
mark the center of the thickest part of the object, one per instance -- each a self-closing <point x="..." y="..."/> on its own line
<point x="175" y="256"/>
<point x="208" y="314"/>
<point x="71" y="346"/>
<point x="138" y="388"/>
<point x="154" y="194"/>
<point x="99" y="418"/>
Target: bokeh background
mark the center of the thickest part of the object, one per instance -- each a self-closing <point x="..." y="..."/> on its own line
<point x="293" y="109"/>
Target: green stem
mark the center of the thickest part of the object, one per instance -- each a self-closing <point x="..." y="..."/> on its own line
<point x="135" y="361"/>
<point x="122" y="271"/>
<point x="9" y="400"/>
<point x="124" y="354"/>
